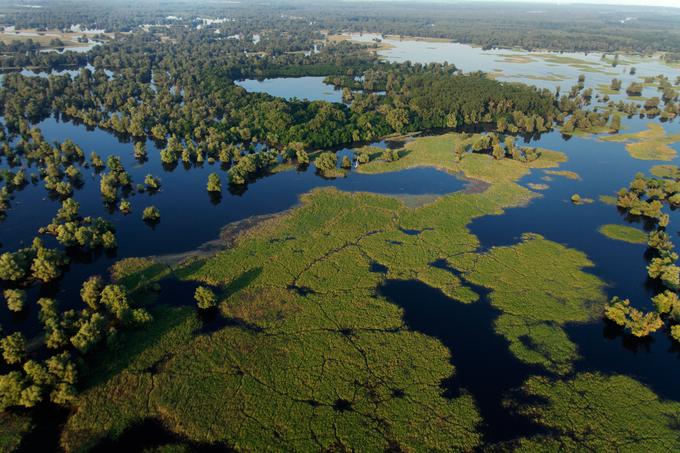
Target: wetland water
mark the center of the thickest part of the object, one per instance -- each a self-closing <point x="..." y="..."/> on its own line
<point x="190" y="217"/>
<point x="310" y="88"/>
<point x="543" y="69"/>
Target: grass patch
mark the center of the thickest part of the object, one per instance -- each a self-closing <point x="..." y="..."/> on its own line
<point x="593" y="412"/>
<point x="13" y="428"/>
<point x="651" y="144"/>
<point x="44" y="38"/>
<point x="437" y="152"/>
<point x="608" y="199"/>
<point x="564" y="173"/>
<point x="624" y="233"/>
<point x="138" y="273"/>
<point x="665" y="171"/>
<point x="512" y="58"/>
<point x="605" y="89"/>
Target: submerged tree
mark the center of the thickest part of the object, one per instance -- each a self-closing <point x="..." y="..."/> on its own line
<point x="151" y="214"/>
<point x="16" y="299"/>
<point x="214" y="183"/>
<point x="205" y="298"/>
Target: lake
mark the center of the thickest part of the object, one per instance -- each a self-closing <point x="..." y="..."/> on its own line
<point x="310" y="88"/>
<point x="543" y="69"/>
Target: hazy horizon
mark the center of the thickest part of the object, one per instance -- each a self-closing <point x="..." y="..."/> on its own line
<point x="664" y="3"/>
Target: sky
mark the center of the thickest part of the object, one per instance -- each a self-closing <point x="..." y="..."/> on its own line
<point x="674" y="3"/>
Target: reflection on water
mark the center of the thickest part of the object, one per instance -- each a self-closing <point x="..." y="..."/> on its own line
<point x="310" y="88"/>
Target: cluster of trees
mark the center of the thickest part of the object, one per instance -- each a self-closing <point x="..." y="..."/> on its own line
<point x="646" y="197"/>
<point x="73" y="230"/>
<point x="491" y="144"/>
<point x="36" y="263"/>
<point x="248" y="166"/>
<point x="27" y="382"/>
<point x="587" y="120"/>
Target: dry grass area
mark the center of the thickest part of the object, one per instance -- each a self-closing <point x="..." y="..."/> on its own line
<point x="45" y="38"/>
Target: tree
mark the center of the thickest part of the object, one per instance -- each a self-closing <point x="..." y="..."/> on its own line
<point x="125" y="207"/>
<point x="326" y="162"/>
<point x="637" y="323"/>
<point x="96" y="161"/>
<point x="458" y="152"/>
<point x="11" y="386"/>
<point x="205" y="298"/>
<point x="90" y="293"/>
<point x="16" y="299"/>
<point x="666" y="302"/>
<point x="390" y="155"/>
<point x="302" y="157"/>
<point x="214" y="183"/>
<point x="89" y="334"/>
<point x="634" y="89"/>
<point x="151" y="214"/>
<point x="498" y="152"/>
<point x="482" y="144"/>
<point x="13" y="266"/>
<point x="140" y="151"/>
<point x="13" y="348"/>
<point x="152" y="183"/>
<point x="615" y="124"/>
<point x="114" y="298"/>
<point x="616" y="84"/>
<point x="346" y="162"/>
<point x="47" y="264"/>
<point x="397" y="119"/>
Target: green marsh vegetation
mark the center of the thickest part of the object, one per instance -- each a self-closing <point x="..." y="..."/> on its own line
<point x="591" y="411"/>
<point x="564" y="173"/>
<point x="624" y="233"/>
<point x="302" y="284"/>
<point x="650" y="144"/>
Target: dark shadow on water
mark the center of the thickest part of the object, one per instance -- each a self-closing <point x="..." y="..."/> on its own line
<point x="412" y="232"/>
<point x="378" y="268"/>
<point x="175" y="292"/>
<point x="150" y="434"/>
<point x="484" y="365"/>
<point x="605" y="348"/>
<point x="49" y="420"/>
